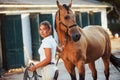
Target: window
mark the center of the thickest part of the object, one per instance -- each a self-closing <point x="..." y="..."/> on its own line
<point x="84" y="18"/>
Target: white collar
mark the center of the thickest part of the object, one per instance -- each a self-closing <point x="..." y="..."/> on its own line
<point x="46" y="38"/>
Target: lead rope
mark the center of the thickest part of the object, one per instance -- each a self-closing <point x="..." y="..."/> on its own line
<point x="61" y="48"/>
<point x="27" y="76"/>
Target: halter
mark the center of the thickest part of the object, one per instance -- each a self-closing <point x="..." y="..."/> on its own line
<point x="67" y="27"/>
<point x="66" y="33"/>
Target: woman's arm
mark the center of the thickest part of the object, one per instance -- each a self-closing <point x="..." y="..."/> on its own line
<point x="47" y="60"/>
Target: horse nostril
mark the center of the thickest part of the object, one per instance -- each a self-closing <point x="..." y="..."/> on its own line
<point x="76" y="37"/>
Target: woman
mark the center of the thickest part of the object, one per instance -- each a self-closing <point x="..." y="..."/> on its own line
<point x="47" y="52"/>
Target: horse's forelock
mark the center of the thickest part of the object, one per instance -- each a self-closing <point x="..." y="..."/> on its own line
<point x="66" y="7"/>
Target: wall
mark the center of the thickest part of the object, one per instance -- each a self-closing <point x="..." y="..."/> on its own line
<point x="97" y="9"/>
<point x="54" y="31"/>
<point x="27" y="45"/>
<point x="104" y="19"/>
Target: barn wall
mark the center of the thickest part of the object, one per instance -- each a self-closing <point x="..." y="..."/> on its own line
<point x="26" y="31"/>
<point x="104" y="19"/>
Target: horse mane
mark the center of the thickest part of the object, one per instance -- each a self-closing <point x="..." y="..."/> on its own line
<point x="55" y="20"/>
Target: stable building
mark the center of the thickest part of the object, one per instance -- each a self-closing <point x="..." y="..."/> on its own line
<point x="19" y="21"/>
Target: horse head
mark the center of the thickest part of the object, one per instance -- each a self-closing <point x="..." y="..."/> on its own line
<point x="66" y="22"/>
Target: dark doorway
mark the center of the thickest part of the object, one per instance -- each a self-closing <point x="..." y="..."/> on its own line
<point x="12" y="42"/>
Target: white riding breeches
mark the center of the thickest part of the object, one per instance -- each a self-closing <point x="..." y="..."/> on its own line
<point x="47" y="72"/>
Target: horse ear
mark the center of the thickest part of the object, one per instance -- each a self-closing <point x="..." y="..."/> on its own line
<point x="58" y="4"/>
<point x="70" y="4"/>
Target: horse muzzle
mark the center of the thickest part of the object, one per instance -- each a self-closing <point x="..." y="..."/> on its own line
<point x="75" y="36"/>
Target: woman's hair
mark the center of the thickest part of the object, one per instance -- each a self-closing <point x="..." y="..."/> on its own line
<point x="46" y="23"/>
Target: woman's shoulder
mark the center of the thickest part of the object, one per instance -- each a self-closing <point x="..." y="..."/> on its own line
<point x="49" y="40"/>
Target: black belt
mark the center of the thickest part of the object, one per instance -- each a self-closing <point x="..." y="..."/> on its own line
<point x="51" y="63"/>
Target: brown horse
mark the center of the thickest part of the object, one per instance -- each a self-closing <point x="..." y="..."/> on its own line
<point x="81" y="46"/>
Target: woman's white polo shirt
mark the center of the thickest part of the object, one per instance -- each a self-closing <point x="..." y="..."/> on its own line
<point x="48" y="42"/>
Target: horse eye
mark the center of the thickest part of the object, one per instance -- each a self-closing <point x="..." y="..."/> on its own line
<point x="67" y="17"/>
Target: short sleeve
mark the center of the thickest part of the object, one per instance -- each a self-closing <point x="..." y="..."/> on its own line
<point x="47" y="44"/>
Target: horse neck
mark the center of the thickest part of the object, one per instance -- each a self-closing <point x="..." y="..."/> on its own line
<point x="61" y="37"/>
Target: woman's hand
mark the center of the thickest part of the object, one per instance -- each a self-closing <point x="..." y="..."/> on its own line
<point x="33" y="68"/>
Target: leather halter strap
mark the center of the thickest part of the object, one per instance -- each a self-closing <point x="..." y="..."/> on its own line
<point x="67" y="27"/>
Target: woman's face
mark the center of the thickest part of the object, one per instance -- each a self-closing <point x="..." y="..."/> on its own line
<point x="44" y="31"/>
